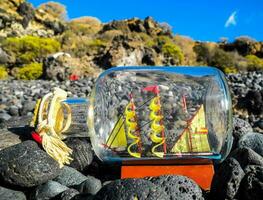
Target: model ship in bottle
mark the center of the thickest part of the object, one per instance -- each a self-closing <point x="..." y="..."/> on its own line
<point x="126" y="135"/>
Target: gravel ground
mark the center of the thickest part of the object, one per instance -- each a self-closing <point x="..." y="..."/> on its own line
<point x="17" y="98"/>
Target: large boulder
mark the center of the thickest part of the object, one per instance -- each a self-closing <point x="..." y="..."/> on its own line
<point x="69" y="177"/>
<point x="82" y="153"/>
<point x="178" y="187"/>
<point x="254" y="102"/>
<point x="18" y="122"/>
<point x="8" y="139"/>
<point x="57" y="26"/>
<point x="148" y="26"/>
<point x="121" y="53"/>
<point x="68" y="194"/>
<point x="44" y="15"/>
<point x="90" y="186"/>
<point x="49" y="190"/>
<point x="240" y="128"/>
<point x="253" y="141"/>
<point x="246" y="156"/>
<point x="26" y="10"/>
<point x="27" y="165"/>
<point x="251" y="187"/>
<point x="244" y="46"/>
<point x="126" y="189"/>
<point x="154" y="28"/>
<point x="127" y="51"/>
<point x="6" y="194"/>
<point x="116" y="25"/>
<point x="53" y="67"/>
<point x="226" y="180"/>
<point x="18" y="18"/>
<point x="61" y="66"/>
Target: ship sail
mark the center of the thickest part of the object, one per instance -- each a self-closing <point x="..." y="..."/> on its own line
<point x="117" y="138"/>
<point x="194" y="139"/>
<point x="156" y="117"/>
<point x="132" y="127"/>
<point x="126" y="127"/>
<point x="156" y="126"/>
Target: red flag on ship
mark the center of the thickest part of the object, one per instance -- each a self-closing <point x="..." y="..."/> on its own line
<point x="152" y="88"/>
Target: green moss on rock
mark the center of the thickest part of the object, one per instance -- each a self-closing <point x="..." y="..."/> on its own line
<point x="254" y="63"/>
<point x="31" y="71"/>
<point x="3" y="73"/>
<point x="30" y="48"/>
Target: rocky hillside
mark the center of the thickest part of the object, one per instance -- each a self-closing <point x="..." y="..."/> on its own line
<point x="29" y="38"/>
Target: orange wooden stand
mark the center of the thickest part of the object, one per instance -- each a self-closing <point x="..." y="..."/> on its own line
<point x="202" y="174"/>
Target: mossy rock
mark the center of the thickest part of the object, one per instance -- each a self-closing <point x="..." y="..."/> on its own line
<point x="29" y="48"/>
<point x="31" y="71"/>
<point x="3" y="73"/>
<point x="254" y="63"/>
<point x="230" y="70"/>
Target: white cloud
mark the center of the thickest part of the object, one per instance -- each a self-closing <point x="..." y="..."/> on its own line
<point x="231" y="19"/>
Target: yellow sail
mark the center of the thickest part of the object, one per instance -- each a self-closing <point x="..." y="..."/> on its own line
<point x="200" y="142"/>
<point x="117" y="137"/>
<point x="198" y="121"/>
<point x="156" y="131"/>
<point x="195" y="137"/>
<point x="199" y="132"/>
<point x="132" y="127"/>
<point x="134" y="154"/>
<point x="158" y="153"/>
<point x="183" y="144"/>
<point x="156" y="127"/>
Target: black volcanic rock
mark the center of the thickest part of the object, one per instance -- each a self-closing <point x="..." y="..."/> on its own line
<point x="178" y="187"/>
<point x="82" y="153"/>
<point x="254" y="101"/>
<point x="28" y="106"/>
<point x="6" y="194"/>
<point x="251" y="187"/>
<point x="89" y="186"/>
<point x="246" y="156"/>
<point x="226" y="180"/>
<point x="49" y="190"/>
<point x="253" y="141"/>
<point x="240" y="128"/>
<point x="127" y="189"/>
<point x="8" y="139"/>
<point x="67" y="194"/>
<point x="53" y="69"/>
<point x="68" y="176"/>
<point x="26" y="165"/>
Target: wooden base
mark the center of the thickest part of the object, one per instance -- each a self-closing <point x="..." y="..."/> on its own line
<point x="202" y="174"/>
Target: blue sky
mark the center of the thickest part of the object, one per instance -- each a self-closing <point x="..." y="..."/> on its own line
<point x="206" y="20"/>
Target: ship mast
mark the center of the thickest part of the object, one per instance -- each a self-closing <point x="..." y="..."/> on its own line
<point x="157" y="134"/>
<point x="133" y="128"/>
